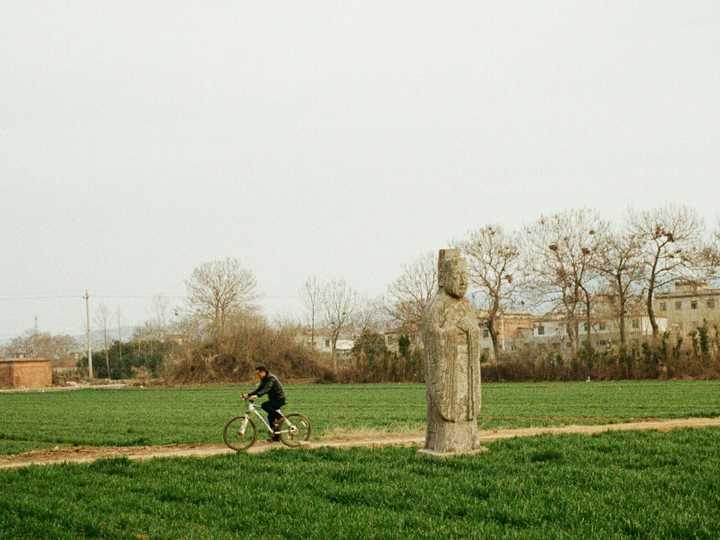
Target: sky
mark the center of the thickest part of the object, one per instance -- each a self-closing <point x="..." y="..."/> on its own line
<point x="338" y="139"/>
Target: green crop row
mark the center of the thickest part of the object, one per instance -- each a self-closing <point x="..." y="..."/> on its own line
<point x="131" y="417"/>
<point x="614" y="485"/>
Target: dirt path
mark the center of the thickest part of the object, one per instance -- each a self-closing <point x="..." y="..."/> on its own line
<point x="89" y="454"/>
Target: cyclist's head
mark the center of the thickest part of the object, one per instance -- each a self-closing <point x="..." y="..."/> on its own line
<point x="261" y="371"/>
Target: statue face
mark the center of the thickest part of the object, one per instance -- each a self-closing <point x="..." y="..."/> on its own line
<point x="455" y="282"/>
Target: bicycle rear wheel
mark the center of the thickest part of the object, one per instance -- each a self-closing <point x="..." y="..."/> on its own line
<point x="240" y="433"/>
<point x="294" y="429"/>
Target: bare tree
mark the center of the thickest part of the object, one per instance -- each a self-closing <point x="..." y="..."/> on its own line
<point x="560" y="260"/>
<point x="411" y="292"/>
<point x="493" y="259"/>
<point x="118" y="317"/>
<point x="339" y="302"/>
<point x="218" y="289"/>
<point x="158" y="324"/>
<point x="369" y="316"/>
<point x="671" y="238"/>
<point x="41" y="345"/>
<point x="311" y="295"/>
<point x="620" y="263"/>
<point x="710" y="255"/>
<point x="102" y="319"/>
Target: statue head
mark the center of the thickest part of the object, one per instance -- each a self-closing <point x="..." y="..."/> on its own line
<point x="452" y="275"/>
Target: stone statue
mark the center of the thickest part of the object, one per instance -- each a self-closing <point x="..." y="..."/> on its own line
<point x="451" y="337"/>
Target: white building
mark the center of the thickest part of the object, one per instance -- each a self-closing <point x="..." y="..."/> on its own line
<point x="323" y="342"/>
<point x="603" y="331"/>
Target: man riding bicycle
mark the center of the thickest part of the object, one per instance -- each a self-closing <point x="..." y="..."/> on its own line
<point x="270" y="385"/>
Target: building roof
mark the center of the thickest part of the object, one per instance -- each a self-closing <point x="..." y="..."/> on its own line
<point x="16" y="360"/>
<point x="700" y="293"/>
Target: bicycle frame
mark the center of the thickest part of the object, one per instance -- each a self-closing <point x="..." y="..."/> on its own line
<point x="251" y="408"/>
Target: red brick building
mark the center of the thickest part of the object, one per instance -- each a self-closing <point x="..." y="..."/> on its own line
<point x="25" y="373"/>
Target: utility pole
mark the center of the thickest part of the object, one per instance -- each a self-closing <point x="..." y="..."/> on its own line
<point x="106" y="321"/>
<point x="119" y="336"/>
<point x="88" y="337"/>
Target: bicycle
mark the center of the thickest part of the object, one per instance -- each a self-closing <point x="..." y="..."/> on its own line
<point x="240" y="432"/>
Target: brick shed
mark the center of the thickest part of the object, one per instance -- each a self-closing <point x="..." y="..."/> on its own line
<point x="25" y="373"/>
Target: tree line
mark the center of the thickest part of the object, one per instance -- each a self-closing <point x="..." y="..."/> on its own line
<point x="576" y="266"/>
<point x="573" y="265"/>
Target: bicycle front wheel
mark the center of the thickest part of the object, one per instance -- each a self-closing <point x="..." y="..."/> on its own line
<point x="240" y="433"/>
<point x="294" y="429"/>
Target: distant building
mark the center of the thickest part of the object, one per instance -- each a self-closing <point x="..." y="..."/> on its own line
<point x="322" y="342"/>
<point x="392" y="339"/>
<point x="26" y="373"/>
<point x="510" y="327"/>
<point x="688" y="306"/>
<point x="550" y="331"/>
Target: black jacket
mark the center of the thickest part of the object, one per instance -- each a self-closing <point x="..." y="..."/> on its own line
<point x="271" y="386"/>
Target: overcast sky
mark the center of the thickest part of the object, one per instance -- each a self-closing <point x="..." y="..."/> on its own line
<point x="343" y="139"/>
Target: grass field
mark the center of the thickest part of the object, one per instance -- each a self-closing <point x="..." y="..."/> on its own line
<point x="614" y="485"/>
<point x="188" y="415"/>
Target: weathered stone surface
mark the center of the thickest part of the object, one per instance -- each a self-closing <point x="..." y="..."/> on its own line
<point x="451" y="337"/>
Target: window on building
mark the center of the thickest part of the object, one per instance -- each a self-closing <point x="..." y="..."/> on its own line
<point x="585" y="327"/>
<point x="603" y="326"/>
<point x="636" y="323"/>
<point x="327" y="342"/>
<point x="663" y="306"/>
<point x="711" y="303"/>
<point x="693" y="304"/>
<point x="678" y="305"/>
<point x="541" y="330"/>
<point x="486" y="332"/>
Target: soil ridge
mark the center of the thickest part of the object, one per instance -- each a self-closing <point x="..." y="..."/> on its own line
<point x="89" y="454"/>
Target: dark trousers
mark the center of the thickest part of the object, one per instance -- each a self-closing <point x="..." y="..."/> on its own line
<point x="270" y="407"/>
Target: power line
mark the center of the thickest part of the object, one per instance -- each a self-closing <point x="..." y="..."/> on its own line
<point x="138" y="296"/>
<point x="39" y="297"/>
<point x="10" y="298"/>
<point x="65" y="296"/>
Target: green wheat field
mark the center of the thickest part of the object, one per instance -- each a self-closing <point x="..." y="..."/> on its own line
<point x="613" y="485"/>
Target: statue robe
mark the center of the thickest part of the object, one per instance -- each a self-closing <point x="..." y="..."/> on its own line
<point x="452" y="358"/>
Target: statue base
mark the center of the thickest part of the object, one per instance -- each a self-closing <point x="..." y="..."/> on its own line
<point x="424" y="452"/>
